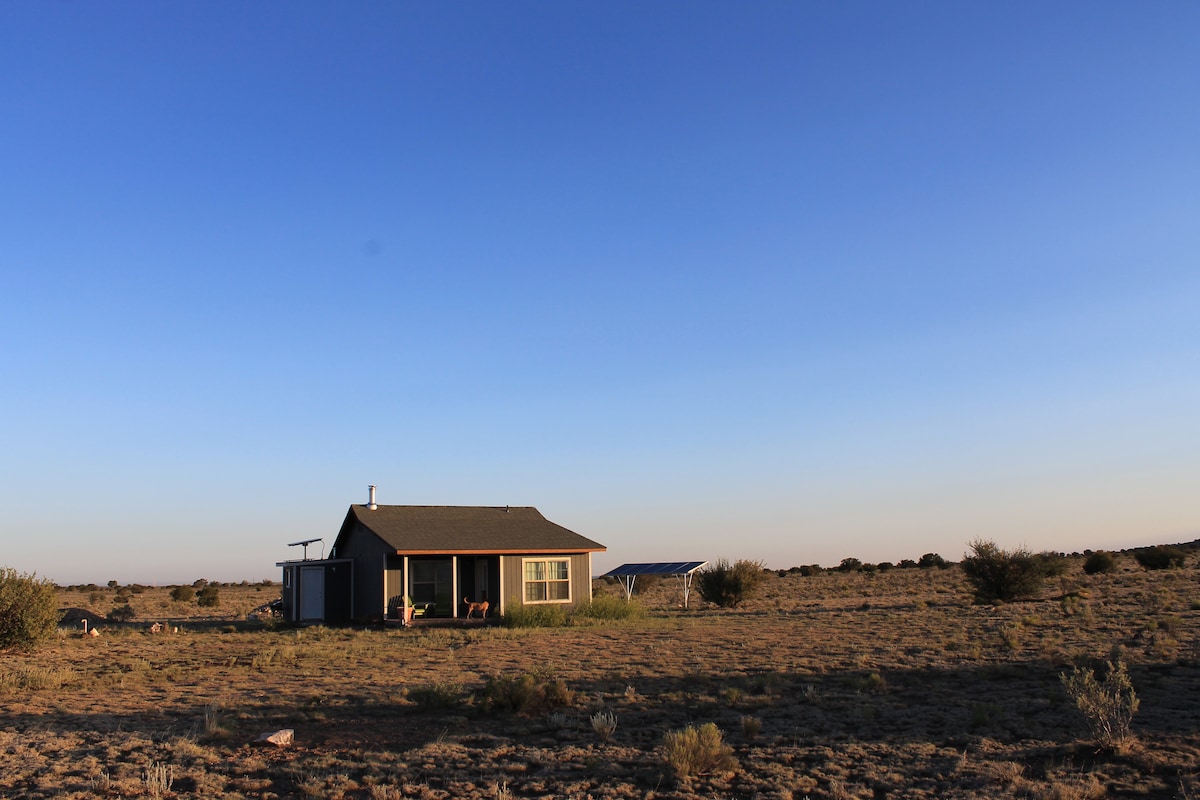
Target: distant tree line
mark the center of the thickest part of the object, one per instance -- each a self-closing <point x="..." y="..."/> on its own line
<point x="927" y="561"/>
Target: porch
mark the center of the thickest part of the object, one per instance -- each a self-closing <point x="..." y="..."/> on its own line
<point x="435" y="587"/>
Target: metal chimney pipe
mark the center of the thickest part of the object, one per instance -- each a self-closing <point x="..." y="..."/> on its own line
<point x="371" y="501"/>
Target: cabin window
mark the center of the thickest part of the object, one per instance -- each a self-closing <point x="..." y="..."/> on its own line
<point x="547" y="580"/>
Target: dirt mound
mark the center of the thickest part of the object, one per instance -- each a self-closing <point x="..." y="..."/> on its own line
<point x="72" y="617"/>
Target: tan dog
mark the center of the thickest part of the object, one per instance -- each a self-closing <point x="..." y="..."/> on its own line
<point x="473" y="607"/>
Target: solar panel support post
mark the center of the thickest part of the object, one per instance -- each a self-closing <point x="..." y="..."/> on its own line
<point x="627" y="582"/>
<point x="686" y="579"/>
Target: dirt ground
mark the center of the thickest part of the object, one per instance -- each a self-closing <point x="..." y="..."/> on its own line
<point x="840" y="685"/>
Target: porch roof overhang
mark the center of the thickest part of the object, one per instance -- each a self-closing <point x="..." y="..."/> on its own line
<point x="492" y="551"/>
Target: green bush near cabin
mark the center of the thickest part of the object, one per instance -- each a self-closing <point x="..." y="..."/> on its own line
<point x="608" y="608"/>
<point x="541" y="615"/>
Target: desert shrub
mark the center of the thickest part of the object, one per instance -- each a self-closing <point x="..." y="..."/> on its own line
<point x="1002" y="575"/>
<point x="809" y="570"/>
<point x="604" y="724"/>
<point x="208" y="597"/>
<point x="1099" y="562"/>
<point x="1160" y="557"/>
<point x="609" y="608"/>
<point x="199" y="583"/>
<point x="441" y="695"/>
<point x="931" y="560"/>
<point x="1051" y="564"/>
<point x="697" y="751"/>
<point x="870" y="683"/>
<point x="182" y="594"/>
<point x="907" y="563"/>
<point x="751" y="727"/>
<point x="540" y="615"/>
<point x="850" y="565"/>
<point x="526" y="693"/>
<point x="884" y="566"/>
<point x="122" y="613"/>
<point x="28" y="609"/>
<point x="728" y="585"/>
<point x="1108" y="705"/>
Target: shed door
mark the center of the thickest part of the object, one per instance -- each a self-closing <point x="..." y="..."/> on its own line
<point x="312" y="593"/>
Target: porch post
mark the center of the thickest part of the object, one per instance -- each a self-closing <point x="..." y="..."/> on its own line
<point x="454" y="584"/>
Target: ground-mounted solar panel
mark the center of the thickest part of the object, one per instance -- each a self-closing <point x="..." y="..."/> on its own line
<point x="684" y="570"/>
<point x="655" y="568"/>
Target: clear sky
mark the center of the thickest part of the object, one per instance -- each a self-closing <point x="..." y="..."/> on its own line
<point x="784" y="281"/>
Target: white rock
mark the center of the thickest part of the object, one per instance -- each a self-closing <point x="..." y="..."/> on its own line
<point x="280" y="738"/>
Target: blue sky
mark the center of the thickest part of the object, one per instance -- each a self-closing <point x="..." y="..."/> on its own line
<point x="782" y="281"/>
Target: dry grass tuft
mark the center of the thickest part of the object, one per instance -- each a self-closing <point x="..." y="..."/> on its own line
<point x="697" y="751"/>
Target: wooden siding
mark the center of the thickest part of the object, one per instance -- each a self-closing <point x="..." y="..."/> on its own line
<point x="512" y="576"/>
<point x="370" y="562"/>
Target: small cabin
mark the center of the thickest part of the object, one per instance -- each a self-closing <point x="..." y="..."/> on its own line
<point x="435" y="558"/>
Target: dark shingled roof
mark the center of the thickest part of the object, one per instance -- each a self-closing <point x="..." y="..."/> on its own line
<point x="469" y="529"/>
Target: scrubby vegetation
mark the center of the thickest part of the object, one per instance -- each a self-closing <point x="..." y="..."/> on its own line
<point x="208" y="597"/>
<point x="538" y="615"/>
<point x="931" y="561"/>
<point x="28" y="609"/>
<point x="1108" y="705"/>
<point x="729" y="585"/>
<point x="1099" y="562"/>
<point x="697" y="751"/>
<point x="832" y="685"/>
<point x="527" y="693"/>
<point x="999" y="575"/>
<point x="608" y="608"/>
<point x="1160" y="557"/>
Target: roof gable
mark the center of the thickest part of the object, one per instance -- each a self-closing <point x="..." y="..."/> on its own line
<point x="468" y="529"/>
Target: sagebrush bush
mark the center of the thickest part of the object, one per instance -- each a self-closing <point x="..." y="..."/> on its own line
<point x="1160" y="557"/>
<point x="728" y="585"/>
<point x="697" y="751"/>
<point x="28" y="609"/>
<point x="182" y="594"/>
<point x="1108" y="705"/>
<point x="1099" y="562"/>
<point x="526" y="693"/>
<point x="1002" y="575"/>
<point x="122" y="613"/>
<point x="931" y="561"/>
<point x="208" y="597"/>
<point x="440" y="695"/>
<point x="541" y="615"/>
<point x="1051" y="564"/>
